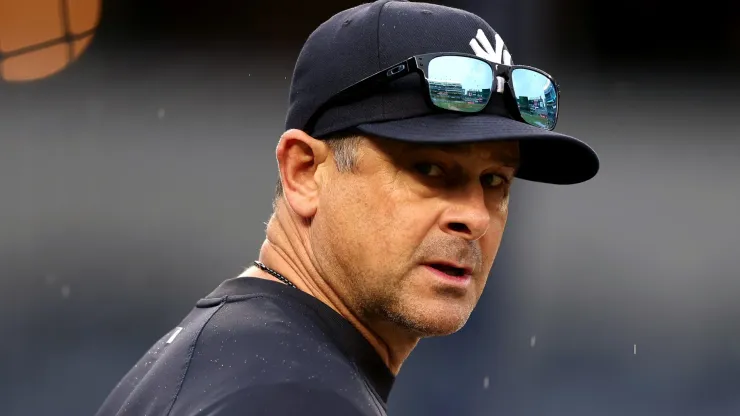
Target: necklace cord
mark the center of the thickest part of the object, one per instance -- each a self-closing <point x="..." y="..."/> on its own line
<point x="275" y="274"/>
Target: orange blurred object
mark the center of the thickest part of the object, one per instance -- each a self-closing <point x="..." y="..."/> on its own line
<point x="39" y="38"/>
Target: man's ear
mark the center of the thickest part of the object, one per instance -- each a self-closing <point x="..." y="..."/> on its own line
<point x="299" y="157"/>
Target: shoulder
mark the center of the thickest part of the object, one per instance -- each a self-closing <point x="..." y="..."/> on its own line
<point x="266" y="352"/>
<point x="265" y="331"/>
<point x="264" y="323"/>
<point x="289" y="398"/>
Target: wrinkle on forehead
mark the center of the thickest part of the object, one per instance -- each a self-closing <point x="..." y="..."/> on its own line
<point x="505" y="152"/>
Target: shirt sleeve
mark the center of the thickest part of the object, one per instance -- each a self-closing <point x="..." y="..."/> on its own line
<point x="286" y="399"/>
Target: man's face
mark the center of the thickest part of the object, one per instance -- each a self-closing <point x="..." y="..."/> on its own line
<point x="410" y="236"/>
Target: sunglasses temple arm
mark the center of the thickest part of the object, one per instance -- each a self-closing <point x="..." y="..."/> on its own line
<point x="370" y="84"/>
<point x="366" y="86"/>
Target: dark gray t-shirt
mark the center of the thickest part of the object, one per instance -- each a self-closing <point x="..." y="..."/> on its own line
<point x="256" y="347"/>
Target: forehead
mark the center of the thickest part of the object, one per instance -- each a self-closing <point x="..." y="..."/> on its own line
<point x="503" y="152"/>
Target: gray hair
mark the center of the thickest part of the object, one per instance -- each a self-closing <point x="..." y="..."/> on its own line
<point x="343" y="147"/>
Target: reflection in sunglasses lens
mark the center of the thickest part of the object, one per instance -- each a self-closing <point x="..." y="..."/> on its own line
<point x="459" y="83"/>
<point x="536" y="97"/>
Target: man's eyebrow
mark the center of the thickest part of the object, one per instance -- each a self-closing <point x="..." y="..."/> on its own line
<point x="507" y="160"/>
<point x="504" y="158"/>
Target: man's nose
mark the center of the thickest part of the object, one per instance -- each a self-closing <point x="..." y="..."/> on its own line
<point x="467" y="216"/>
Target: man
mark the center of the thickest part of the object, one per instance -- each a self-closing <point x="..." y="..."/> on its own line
<point x="407" y="125"/>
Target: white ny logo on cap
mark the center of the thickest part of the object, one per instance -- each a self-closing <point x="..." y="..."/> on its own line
<point x="482" y="48"/>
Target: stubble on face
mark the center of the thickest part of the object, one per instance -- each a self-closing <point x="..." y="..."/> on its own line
<point x="377" y="227"/>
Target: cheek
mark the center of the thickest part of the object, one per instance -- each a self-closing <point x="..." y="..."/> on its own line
<point x="386" y="223"/>
<point x="491" y="241"/>
<point x="405" y="216"/>
<point x="354" y="222"/>
<point x="343" y="213"/>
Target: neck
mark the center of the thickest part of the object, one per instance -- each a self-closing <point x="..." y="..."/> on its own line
<point x="287" y="251"/>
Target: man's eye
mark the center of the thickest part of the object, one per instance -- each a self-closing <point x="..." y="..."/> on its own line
<point x="492" y="180"/>
<point x="429" y="169"/>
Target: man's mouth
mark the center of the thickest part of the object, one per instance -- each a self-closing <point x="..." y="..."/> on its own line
<point x="450" y="269"/>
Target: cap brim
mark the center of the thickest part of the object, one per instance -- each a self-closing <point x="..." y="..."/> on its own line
<point x="546" y="156"/>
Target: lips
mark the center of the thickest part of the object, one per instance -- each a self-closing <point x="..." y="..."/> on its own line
<point x="451" y="269"/>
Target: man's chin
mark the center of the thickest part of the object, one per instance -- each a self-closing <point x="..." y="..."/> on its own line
<point x="440" y="329"/>
<point x="431" y="324"/>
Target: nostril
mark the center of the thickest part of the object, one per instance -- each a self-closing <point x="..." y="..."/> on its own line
<point x="459" y="227"/>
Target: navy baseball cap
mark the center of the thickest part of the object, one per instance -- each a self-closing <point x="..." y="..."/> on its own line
<point x="365" y="39"/>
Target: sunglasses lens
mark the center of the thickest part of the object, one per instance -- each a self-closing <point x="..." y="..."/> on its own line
<point x="459" y="83"/>
<point x="536" y="97"/>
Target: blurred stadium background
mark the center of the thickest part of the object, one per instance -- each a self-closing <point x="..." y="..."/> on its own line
<point x="137" y="178"/>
